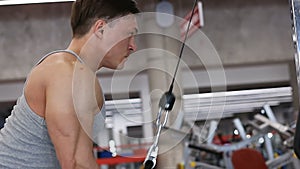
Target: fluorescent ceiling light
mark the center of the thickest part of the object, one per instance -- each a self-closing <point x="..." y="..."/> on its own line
<point x="20" y="2"/>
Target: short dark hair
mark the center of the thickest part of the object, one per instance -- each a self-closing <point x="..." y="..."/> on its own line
<point x="86" y="12"/>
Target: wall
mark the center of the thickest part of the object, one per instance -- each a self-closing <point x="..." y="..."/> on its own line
<point x="29" y="31"/>
<point x="242" y="32"/>
<point x="247" y="32"/>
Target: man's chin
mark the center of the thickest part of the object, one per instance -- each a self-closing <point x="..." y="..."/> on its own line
<point x="121" y="65"/>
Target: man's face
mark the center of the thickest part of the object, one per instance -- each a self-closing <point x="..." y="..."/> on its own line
<point x="119" y="37"/>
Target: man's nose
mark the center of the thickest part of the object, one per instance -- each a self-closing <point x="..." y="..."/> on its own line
<point x="132" y="44"/>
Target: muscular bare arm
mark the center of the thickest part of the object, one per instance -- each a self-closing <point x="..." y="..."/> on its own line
<point x="69" y="115"/>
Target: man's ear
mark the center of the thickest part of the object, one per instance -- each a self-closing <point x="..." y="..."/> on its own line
<point x="99" y="28"/>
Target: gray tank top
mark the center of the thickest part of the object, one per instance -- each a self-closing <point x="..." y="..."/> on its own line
<point x="24" y="139"/>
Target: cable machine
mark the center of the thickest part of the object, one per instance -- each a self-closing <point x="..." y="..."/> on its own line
<point x="295" y="16"/>
<point x="166" y="104"/>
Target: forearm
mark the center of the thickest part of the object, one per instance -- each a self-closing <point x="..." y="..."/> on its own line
<point x="80" y="164"/>
<point x="87" y="163"/>
<point x="84" y="153"/>
<point x="81" y="160"/>
<point x="90" y="166"/>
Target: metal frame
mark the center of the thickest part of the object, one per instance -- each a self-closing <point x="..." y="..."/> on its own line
<point x="295" y="15"/>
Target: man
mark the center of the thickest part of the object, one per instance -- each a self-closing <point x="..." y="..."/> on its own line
<point x="53" y="123"/>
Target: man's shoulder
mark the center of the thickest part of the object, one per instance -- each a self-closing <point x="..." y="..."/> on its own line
<point x="59" y="63"/>
<point x="53" y="69"/>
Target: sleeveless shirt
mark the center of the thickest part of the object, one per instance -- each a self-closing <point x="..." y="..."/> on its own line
<point x="24" y="139"/>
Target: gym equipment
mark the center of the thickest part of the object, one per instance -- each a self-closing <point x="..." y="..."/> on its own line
<point x="262" y="126"/>
<point x="248" y="158"/>
<point x="295" y="16"/>
<point x="165" y="106"/>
